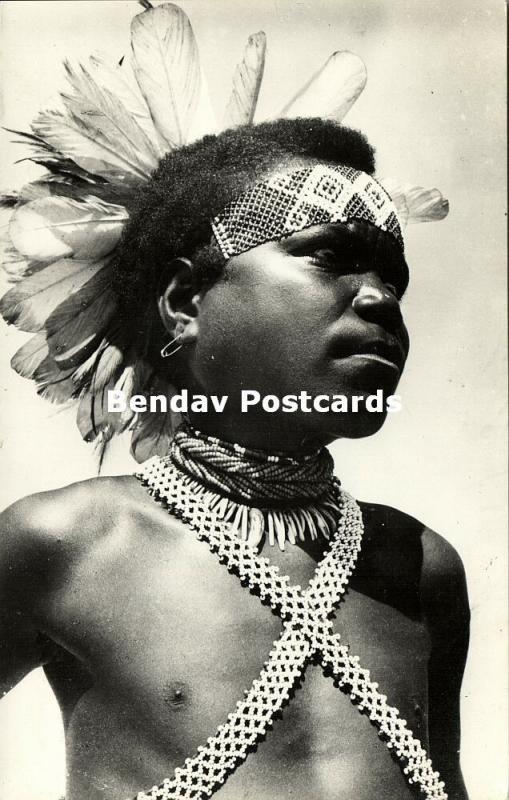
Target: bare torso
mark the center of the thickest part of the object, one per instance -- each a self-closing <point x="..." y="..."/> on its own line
<point x="150" y="642"/>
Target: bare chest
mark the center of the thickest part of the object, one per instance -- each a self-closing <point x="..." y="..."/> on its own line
<point x="172" y="640"/>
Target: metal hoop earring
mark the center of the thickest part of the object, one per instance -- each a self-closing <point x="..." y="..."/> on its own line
<point x="168" y="350"/>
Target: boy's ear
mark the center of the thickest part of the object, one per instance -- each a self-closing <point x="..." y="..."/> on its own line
<point x="179" y="302"/>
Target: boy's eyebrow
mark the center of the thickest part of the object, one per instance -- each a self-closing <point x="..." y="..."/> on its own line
<point x="335" y="234"/>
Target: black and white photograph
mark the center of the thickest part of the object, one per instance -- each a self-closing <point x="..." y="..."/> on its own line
<point x="253" y="507"/>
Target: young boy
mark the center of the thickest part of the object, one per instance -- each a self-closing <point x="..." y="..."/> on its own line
<point x="272" y="262"/>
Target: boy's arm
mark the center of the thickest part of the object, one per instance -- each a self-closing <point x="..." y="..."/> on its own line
<point x="445" y="604"/>
<point x="23" y="557"/>
<point x="42" y="540"/>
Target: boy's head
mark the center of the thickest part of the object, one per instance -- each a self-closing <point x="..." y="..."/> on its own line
<point x="171" y="215"/>
<point x="291" y="313"/>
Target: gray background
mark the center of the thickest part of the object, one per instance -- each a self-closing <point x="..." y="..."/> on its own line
<point x="434" y="108"/>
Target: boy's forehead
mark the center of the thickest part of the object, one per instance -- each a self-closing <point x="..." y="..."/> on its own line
<point x="293" y="199"/>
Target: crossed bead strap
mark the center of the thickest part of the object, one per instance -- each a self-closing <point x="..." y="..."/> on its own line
<point x="307" y="632"/>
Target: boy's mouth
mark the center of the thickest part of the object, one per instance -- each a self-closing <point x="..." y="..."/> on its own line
<point x="376" y="358"/>
<point x="380" y="351"/>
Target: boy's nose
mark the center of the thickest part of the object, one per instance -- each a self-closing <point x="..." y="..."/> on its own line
<point x="379" y="305"/>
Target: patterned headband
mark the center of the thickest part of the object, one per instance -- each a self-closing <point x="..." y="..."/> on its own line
<point x="285" y="204"/>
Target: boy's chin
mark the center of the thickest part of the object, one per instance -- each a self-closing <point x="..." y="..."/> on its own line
<point x="358" y="426"/>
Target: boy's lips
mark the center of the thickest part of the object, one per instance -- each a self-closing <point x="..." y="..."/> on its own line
<point x="375" y="358"/>
<point x="379" y="351"/>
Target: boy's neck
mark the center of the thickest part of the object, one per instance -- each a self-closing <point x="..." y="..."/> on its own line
<point x="266" y="432"/>
<point x="251" y="475"/>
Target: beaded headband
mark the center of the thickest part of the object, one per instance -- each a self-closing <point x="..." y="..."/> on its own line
<point x="285" y="204"/>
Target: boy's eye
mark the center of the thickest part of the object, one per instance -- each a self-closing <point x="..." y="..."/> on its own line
<point x="324" y="255"/>
<point x="391" y="288"/>
<point x="331" y="259"/>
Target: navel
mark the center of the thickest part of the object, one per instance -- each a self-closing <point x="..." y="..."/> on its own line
<point x="176" y="694"/>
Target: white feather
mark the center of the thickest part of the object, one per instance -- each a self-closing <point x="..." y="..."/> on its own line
<point x="125" y="383"/>
<point x="99" y="108"/>
<point x="416" y="203"/>
<point x="332" y="91"/>
<point x="426" y="205"/>
<point x="204" y="119"/>
<point x="247" y="80"/>
<point x="13" y="263"/>
<point x="120" y="81"/>
<point x="87" y="146"/>
<point x="60" y="227"/>
<point x="397" y="195"/>
<point x="166" y="65"/>
<point x="111" y="359"/>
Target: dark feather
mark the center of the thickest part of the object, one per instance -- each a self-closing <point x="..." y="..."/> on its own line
<point x="52" y="159"/>
<point x="29" y="304"/>
<point x="77" y="325"/>
<point x="8" y="199"/>
<point x="94" y="419"/>
<point x="151" y="436"/>
<point x="53" y="383"/>
<point x="58" y="186"/>
<point x="153" y="430"/>
<point x="86" y="374"/>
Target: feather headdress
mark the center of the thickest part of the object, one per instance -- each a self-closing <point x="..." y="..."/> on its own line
<point x="116" y="122"/>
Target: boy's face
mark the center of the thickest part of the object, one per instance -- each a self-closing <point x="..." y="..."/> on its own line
<point x="317" y="312"/>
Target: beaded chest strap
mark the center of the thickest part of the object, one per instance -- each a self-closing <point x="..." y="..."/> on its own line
<point x="307" y="633"/>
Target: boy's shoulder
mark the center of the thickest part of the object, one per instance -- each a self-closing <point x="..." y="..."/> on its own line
<point x="44" y="534"/>
<point x="414" y="561"/>
<point x="50" y="517"/>
<point x="396" y="530"/>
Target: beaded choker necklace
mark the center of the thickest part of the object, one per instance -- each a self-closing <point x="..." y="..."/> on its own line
<point x="282" y="497"/>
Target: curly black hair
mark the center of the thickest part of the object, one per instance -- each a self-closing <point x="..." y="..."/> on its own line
<point x="170" y="215"/>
